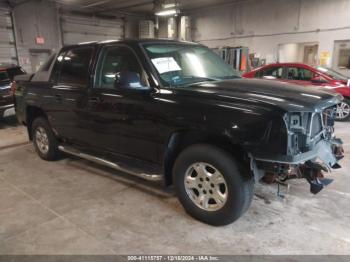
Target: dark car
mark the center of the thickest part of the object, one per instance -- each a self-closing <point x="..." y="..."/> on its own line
<point x="309" y="76"/>
<point x="7" y="74"/>
<point x="174" y="111"/>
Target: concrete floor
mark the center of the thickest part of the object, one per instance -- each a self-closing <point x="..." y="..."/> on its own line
<point x="75" y="207"/>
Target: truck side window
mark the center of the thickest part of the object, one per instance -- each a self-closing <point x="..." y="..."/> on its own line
<point x="74" y="70"/>
<point x="46" y="66"/>
<point x="112" y="61"/>
<point x="57" y="68"/>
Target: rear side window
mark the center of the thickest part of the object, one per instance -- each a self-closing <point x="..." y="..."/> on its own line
<point x="57" y="68"/>
<point x="72" y="67"/>
<point x="46" y="66"/>
<point x="273" y="72"/>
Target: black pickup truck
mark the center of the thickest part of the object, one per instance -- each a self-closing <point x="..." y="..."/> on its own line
<point x="174" y="111"/>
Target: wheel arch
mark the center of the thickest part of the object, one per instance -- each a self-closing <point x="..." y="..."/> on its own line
<point x="33" y="112"/>
<point x="180" y="140"/>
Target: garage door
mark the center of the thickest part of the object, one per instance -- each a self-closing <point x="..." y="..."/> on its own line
<point x="7" y="40"/>
<point x="77" y="29"/>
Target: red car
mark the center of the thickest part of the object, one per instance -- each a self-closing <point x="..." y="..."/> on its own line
<point x="306" y="75"/>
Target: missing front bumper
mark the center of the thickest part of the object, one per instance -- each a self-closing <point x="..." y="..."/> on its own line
<point x="310" y="165"/>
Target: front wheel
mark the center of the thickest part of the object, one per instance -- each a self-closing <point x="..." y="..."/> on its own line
<point x="343" y="110"/>
<point x="211" y="185"/>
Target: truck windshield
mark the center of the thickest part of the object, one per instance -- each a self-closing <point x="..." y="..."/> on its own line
<point x="185" y="64"/>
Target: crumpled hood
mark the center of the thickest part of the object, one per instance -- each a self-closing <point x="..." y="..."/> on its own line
<point x="288" y="97"/>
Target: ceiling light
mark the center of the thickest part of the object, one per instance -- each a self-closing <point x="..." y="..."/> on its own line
<point x="167" y="12"/>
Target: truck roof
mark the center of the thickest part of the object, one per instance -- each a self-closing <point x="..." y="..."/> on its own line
<point x="130" y="41"/>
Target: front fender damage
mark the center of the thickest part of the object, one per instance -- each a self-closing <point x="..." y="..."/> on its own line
<point x="307" y="148"/>
<point x="309" y="165"/>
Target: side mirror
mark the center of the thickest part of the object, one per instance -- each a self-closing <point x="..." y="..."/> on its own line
<point x="318" y="80"/>
<point x="129" y="80"/>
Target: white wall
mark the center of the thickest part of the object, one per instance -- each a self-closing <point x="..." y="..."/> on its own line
<point x="131" y="24"/>
<point x="262" y="25"/>
<point x="163" y="27"/>
<point x="292" y="53"/>
<point x="289" y="53"/>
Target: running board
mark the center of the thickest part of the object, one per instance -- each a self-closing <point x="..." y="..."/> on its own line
<point x="101" y="161"/>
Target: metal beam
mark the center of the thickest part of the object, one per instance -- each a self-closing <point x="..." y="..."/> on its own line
<point x="96" y="4"/>
<point x="128" y="6"/>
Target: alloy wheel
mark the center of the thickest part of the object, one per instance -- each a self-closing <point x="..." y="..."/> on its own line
<point x="343" y="110"/>
<point x="206" y="186"/>
<point x="42" y="140"/>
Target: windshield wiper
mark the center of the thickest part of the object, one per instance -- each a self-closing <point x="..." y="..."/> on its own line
<point x="201" y="78"/>
<point x="184" y="80"/>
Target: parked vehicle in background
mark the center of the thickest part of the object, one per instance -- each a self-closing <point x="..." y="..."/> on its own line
<point x="174" y="111"/>
<point x="306" y="75"/>
<point x="7" y="74"/>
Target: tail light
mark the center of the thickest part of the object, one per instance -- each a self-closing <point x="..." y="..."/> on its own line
<point x="13" y="88"/>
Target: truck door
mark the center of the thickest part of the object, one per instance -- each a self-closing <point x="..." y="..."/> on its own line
<point x="122" y="119"/>
<point x="70" y="81"/>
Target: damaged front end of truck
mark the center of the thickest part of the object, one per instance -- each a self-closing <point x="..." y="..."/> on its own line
<point x="301" y="145"/>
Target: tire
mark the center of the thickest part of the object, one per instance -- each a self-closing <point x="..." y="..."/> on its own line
<point x="43" y="135"/>
<point x="236" y="192"/>
<point x="343" y="110"/>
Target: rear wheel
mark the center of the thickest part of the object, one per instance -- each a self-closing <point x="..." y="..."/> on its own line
<point x="211" y="185"/>
<point x="343" y="110"/>
<point x="44" y="140"/>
